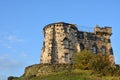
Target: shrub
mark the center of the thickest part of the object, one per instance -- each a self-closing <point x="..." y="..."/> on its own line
<point x="100" y="63"/>
<point x="83" y="59"/>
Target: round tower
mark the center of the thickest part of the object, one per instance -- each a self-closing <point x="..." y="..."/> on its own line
<point x="60" y="40"/>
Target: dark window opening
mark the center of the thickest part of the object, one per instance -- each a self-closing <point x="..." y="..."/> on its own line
<point x="103" y="49"/>
<point x="66" y="43"/>
<point x="90" y="36"/>
<point x="81" y="47"/>
<point x="81" y="36"/>
<point x="102" y="38"/>
<point x="66" y="57"/>
<point x="94" y="49"/>
<point x="65" y="29"/>
<point x="109" y="41"/>
<point x="111" y="51"/>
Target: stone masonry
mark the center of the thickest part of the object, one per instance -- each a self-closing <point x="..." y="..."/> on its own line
<point x="62" y="40"/>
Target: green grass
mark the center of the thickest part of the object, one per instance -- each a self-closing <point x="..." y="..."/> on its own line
<point x="74" y="75"/>
<point x="61" y="76"/>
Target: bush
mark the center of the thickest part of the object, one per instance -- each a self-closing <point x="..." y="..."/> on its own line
<point x="83" y="59"/>
<point x="100" y="63"/>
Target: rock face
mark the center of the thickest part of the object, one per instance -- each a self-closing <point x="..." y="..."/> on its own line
<point x="62" y="40"/>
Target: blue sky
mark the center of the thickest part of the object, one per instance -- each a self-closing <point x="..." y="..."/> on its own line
<point x="22" y="21"/>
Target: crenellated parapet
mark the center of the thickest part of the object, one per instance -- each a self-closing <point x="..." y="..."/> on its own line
<point x="104" y="31"/>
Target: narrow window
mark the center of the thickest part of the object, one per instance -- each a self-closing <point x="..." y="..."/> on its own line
<point x="103" y="49"/>
<point x="92" y="37"/>
<point x="81" y="36"/>
<point x="66" y="57"/>
<point x="65" y="29"/>
<point x="102" y="38"/>
<point x="81" y="47"/>
<point x="94" y="49"/>
<point x="109" y="41"/>
<point x="66" y="43"/>
<point x="111" y="51"/>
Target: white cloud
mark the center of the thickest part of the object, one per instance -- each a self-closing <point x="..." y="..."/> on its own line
<point x="13" y="38"/>
<point x="9" y="41"/>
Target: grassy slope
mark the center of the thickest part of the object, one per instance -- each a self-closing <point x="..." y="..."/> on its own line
<point x="74" y="75"/>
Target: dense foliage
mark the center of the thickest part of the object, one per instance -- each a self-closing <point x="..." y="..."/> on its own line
<point x="100" y="63"/>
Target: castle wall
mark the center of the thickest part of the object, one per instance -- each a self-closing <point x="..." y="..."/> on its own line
<point x="62" y="40"/>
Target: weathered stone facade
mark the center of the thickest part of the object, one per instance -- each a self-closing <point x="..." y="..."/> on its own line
<point x="62" y="40"/>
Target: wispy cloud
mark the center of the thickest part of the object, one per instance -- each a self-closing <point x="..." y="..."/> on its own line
<point x="24" y="54"/>
<point x="13" y="38"/>
<point x="9" y="40"/>
<point x="10" y="37"/>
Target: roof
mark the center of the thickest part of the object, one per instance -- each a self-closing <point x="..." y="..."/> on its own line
<point x="60" y="23"/>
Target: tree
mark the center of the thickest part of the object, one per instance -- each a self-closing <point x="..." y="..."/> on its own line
<point x="83" y="59"/>
<point x="100" y="63"/>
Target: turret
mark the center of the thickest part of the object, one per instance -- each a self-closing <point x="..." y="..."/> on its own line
<point x="103" y="41"/>
<point x="105" y="31"/>
<point x="59" y="43"/>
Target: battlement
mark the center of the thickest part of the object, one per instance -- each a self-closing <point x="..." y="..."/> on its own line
<point x="104" y="30"/>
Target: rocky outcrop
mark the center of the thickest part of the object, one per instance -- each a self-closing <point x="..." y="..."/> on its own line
<point x="41" y="69"/>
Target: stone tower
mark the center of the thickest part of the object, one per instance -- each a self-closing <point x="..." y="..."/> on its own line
<point x="62" y="40"/>
<point x="103" y="41"/>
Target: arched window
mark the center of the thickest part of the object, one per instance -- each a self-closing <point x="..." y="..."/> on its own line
<point x="66" y="43"/>
<point x="103" y="49"/>
<point x="81" y="47"/>
<point x="94" y="49"/>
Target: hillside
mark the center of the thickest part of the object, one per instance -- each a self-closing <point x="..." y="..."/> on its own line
<point x="72" y="75"/>
<point x="61" y="72"/>
<point x="87" y="66"/>
<point x="75" y="75"/>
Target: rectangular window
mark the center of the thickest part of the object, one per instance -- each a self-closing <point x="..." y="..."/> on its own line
<point x="66" y="57"/>
<point x="109" y="41"/>
<point x="102" y="38"/>
<point x="65" y="29"/>
<point x="66" y="43"/>
<point x="90" y="36"/>
<point x="81" y="36"/>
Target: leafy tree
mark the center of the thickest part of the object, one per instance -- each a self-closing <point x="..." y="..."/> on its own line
<point x="100" y="63"/>
<point x="83" y="59"/>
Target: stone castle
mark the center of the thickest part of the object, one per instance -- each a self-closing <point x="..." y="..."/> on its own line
<point x="62" y="40"/>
